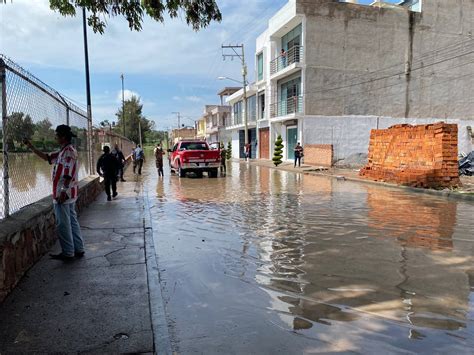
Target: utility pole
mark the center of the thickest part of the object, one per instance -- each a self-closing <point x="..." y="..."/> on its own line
<point x="140" y="131"/>
<point x="178" y="114"/>
<point x="239" y="52"/>
<point x="123" y="106"/>
<point x="88" y="91"/>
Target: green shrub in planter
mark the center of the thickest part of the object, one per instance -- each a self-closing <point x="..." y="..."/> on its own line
<point x="278" y="155"/>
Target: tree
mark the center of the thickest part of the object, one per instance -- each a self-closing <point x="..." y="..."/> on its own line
<point x="229" y="150"/>
<point x="133" y="115"/>
<point x="44" y="131"/>
<point x="198" y="13"/>
<point x="20" y="126"/>
<point x="278" y="155"/>
<point x="155" y="136"/>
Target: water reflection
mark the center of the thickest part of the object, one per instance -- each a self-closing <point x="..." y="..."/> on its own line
<point x="30" y="178"/>
<point x="331" y="254"/>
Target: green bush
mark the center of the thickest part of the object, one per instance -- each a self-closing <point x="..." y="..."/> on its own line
<point x="278" y="155"/>
<point x="229" y="150"/>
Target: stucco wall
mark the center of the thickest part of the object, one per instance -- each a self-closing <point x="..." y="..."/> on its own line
<point x="393" y="53"/>
<point x="351" y="134"/>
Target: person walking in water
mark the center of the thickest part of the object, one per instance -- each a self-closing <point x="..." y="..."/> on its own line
<point x="65" y="192"/>
<point x="223" y="153"/>
<point x="298" y="154"/>
<point x="247" y="151"/>
<point x="159" y="152"/>
<point x="117" y="153"/>
<point x="138" y="158"/>
<point x="107" y="167"/>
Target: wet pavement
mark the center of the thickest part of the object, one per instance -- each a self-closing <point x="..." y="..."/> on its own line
<point x="265" y="261"/>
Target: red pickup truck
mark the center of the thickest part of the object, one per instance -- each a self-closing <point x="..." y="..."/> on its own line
<point x="194" y="156"/>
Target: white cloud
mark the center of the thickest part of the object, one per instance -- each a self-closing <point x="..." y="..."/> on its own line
<point x="32" y="33"/>
<point x="128" y="94"/>
<point x="194" y="98"/>
<point x="176" y="98"/>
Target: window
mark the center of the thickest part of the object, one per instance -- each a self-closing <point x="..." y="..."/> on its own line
<point x="291" y="39"/>
<point x="252" y="108"/>
<point x="261" y="106"/>
<point x="238" y="112"/>
<point x="193" y="146"/>
<point x="260" y="67"/>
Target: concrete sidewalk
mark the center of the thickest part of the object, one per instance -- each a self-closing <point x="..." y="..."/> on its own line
<point x="97" y="304"/>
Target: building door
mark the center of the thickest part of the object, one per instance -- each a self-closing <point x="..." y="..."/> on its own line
<point x="252" y="140"/>
<point x="264" y="141"/>
<point x="291" y="140"/>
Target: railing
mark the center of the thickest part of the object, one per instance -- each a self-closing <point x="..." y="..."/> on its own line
<point x="287" y="107"/>
<point x="31" y="110"/>
<point x="293" y="55"/>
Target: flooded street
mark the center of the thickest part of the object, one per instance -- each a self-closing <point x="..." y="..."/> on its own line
<point x="264" y="262"/>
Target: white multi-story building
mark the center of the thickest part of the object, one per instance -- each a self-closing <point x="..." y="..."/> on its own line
<point x="327" y="72"/>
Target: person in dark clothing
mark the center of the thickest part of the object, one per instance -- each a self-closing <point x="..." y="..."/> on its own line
<point x="298" y="154"/>
<point x="107" y="167"/>
<point x="117" y="153"/>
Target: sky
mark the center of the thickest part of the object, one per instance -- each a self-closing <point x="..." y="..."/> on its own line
<point x="169" y="66"/>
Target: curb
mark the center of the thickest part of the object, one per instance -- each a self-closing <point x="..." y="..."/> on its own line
<point x="161" y="336"/>
<point x="446" y="194"/>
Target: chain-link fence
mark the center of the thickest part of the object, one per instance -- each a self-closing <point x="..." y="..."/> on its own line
<point x="32" y="110"/>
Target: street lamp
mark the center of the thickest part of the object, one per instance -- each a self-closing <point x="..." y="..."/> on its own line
<point x="227" y="78"/>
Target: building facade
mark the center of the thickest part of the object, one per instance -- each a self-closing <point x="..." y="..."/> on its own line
<point x="327" y="72"/>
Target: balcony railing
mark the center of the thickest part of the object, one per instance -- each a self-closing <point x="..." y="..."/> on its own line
<point x="293" y="55"/>
<point x="287" y="107"/>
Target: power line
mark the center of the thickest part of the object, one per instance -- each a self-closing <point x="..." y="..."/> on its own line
<point x="423" y="66"/>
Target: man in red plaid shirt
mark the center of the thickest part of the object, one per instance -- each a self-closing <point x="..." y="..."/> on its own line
<point x="65" y="191"/>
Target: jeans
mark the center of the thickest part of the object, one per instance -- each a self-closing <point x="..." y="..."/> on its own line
<point x="120" y="173"/>
<point x="68" y="228"/>
<point x="138" y="163"/>
<point x="110" y="181"/>
<point x="297" y="160"/>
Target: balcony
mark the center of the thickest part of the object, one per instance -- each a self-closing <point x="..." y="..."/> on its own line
<point x="293" y="56"/>
<point x="287" y="107"/>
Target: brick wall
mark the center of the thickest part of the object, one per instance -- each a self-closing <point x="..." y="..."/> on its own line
<point x="318" y="154"/>
<point x="28" y="234"/>
<point x="420" y="156"/>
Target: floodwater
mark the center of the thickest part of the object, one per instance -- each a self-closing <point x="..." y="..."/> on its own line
<point x="265" y="262"/>
<point x="30" y="179"/>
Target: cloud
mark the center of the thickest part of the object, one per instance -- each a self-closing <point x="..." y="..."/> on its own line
<point x="176" y="98"/>
<point x="194" y="98"/>
<point x="30" y="27"/>
<point x="128" y="94"/>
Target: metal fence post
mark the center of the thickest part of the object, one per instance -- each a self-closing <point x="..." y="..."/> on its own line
<point x="6" y="186"/>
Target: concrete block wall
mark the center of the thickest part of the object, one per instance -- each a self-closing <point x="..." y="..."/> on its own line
<point x="365" y="60"/>
<point x="28" y="234"/>
<point x="351" y="134"/>
<point x="318" y="154"/>
<point x="419" y="156"/>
